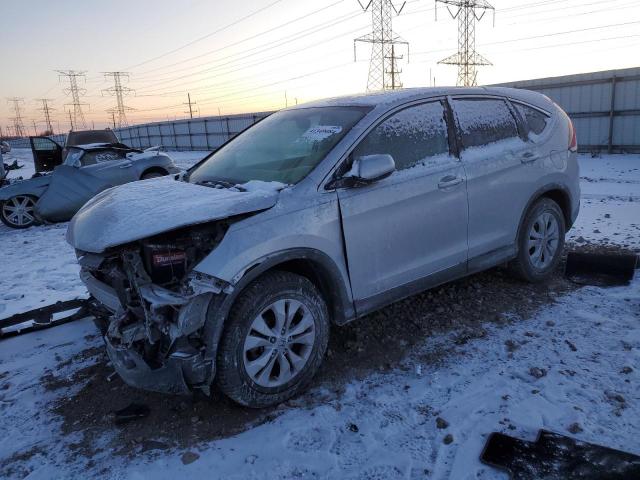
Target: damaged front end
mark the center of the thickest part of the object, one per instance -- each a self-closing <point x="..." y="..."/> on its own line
<point x="157" y="332"/>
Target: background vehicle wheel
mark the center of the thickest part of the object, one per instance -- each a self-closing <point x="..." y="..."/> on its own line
<point x="154" y="174"/>
<point x="274" y="340"/>
<point x="17" y="212"/>
<point x="540" y="241"/>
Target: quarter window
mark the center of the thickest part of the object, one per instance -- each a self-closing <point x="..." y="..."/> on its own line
<point x="412" y="136"/>
<point x="484" y="121"/>
<point x="536" y="120"/>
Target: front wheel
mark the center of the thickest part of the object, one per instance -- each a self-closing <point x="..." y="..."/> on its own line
<point x="540" y="241"/>
<point x="274" y="341"/>
<point x="18" y="211"/>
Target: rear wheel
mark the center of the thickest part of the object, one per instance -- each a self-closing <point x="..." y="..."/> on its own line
<point x="540" y="241"/>
<point x="18" y="211"/>
<point x="274" y="340"/>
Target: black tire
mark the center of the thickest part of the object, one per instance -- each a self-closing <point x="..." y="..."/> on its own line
<point x="8" y="222"/>
<point x="232" y="376"/>
<point x="523" y="266"/>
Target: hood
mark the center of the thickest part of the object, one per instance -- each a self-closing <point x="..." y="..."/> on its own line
<point x="146" y="208"/>
<point x="30" y="186"/>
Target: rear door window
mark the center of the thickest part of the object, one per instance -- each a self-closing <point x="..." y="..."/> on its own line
<point x="415" y="135"/>
<point x="535" y="119"/>
<point x="483" y="121"/>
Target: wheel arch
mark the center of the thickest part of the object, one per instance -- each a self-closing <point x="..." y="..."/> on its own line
<point x="154" y="169"/>
<point x="318" y="268"/>
<point x="556" y="192"/>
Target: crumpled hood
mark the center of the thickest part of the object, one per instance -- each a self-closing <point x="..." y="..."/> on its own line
<point x="142" y="209"/>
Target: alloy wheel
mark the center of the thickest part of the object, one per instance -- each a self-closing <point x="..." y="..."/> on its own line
<point x="544" y="238"/>
<point x="18" y="211"/>
<point x="279" y="343"/>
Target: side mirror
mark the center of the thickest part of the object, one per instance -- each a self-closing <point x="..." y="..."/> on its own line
<point x="372" y="168"/>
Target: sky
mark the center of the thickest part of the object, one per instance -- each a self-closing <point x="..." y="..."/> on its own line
<point x="259" y="55"/>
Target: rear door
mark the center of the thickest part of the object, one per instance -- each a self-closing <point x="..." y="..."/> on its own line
<point x="403" y="229"/>
<point x="494" y="155"/>
<point x="47" y="154"/>
<point x="110" y="165"/>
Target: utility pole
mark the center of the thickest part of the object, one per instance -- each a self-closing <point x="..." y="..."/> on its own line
<point x="75" y="93"/>
<point x="119" y="92"/>
<point x="71" y="121"/>
<point x="467" y="59"/>
<point x="46" y="109"/>
<point x="190" y="104"/>
<point x="113" y="118"/>
<point x="18" y="123"/>
<point x="35" y="128"/>
<point x="382" y="40"/>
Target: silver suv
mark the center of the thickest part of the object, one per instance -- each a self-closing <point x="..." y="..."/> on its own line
<point x="316" y="216"/>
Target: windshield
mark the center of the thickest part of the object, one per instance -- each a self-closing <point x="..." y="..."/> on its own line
<point x="88" y="137"/>
<point x="284" y="147"/>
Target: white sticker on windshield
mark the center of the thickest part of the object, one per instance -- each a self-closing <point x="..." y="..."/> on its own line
<point x="321" y="132"/>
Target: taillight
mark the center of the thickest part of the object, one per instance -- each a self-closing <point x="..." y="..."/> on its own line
<point x="573" y="141"/>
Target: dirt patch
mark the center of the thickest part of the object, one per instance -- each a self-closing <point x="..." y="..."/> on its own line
<point x="378" y="342"/>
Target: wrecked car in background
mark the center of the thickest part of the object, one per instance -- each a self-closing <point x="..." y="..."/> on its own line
<point x="55" y="196"/>
<point x="5" y="147"/>
<point x="317" y="215"/>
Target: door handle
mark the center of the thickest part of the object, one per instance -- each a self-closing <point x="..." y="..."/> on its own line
<point x="528" y="157"/>
<point x="126" y="165"/>
<point x="449" y="181"/>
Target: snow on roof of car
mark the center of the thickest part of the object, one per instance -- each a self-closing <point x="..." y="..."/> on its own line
<point x="396" y="97"/>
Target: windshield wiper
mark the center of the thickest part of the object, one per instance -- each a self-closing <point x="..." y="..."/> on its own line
<point x="220" y="183"/>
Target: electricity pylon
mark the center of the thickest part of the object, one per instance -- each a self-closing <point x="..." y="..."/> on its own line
<point x="46" y="109"/>
<point x="18" y="123"/>
<point x="466" y="58"/>
<point x="383" y="71"/>
<point x="119" y="92"/>
<point x="75" y="93"/>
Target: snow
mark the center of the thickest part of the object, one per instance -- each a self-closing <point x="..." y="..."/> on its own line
<point x="583" y="342"/>
<point x="113" y="217"/>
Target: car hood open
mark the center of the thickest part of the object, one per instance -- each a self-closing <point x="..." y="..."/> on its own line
<point x="146" y="208"/>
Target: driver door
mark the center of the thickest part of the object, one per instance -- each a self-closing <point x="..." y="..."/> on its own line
<point x="408" y="231"/>
<point x="47" y="154"/>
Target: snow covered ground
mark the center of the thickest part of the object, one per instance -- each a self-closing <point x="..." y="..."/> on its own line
<point x="573" y="367"/>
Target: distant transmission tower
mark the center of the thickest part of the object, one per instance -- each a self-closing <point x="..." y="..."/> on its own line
<point x="46" y="109"/>
<point x="467" y="58"/>
<point x="18" y="123"/>
<point x="383" y="71"/>
<point x="119" y="92"/>
<point x="75" y="92"/>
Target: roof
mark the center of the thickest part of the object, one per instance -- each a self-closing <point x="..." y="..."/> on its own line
<point x="397" y="97"/>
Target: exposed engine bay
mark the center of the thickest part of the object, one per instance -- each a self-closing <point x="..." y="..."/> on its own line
<point x="156" y="309"/>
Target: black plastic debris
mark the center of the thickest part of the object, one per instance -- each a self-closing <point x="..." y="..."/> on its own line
<point x="44" y="317"/>
<point x="601" y="269"/>
<point x="132" y="412"/>
<point x="553" y="456"/>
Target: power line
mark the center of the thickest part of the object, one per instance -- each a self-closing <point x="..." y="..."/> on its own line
<point x="18" y="123"/>
<point x="118" y="91"/>
<point x="207" y="35"/>
<point x="467" y="59"/>
<point x="46" y="109"/>
<point x="75" y="92"/>
<point x="383" y="73"/>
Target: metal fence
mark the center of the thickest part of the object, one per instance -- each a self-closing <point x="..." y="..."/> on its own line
<point x="604" y="107"/>
<point x="205" y="133"/>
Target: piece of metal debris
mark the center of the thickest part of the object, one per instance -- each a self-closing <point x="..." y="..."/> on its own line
<point x="553" y="456"/>
<point x="601" y="269"/>
<point x="132" y="412"/>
